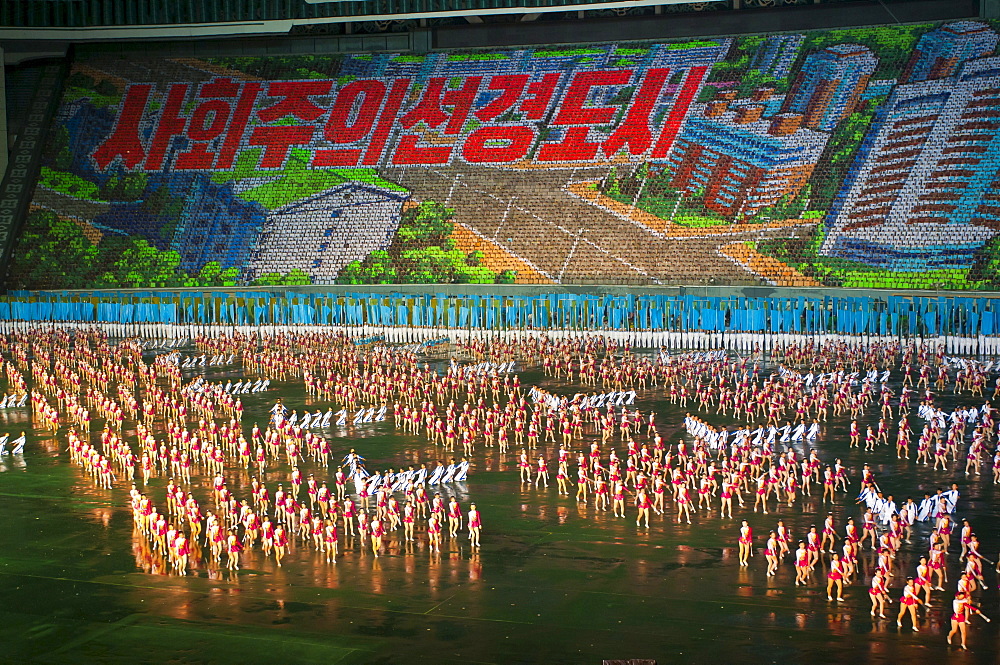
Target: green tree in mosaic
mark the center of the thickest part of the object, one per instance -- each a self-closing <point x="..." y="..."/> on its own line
<point x="429" y="223"/>
<point x="376" y="268"/>
<point x="296" y="277"/>
<point x="52" y="253"/>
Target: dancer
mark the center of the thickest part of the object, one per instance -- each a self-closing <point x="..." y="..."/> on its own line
<point x="745" y="543"/>
<point x="908" y="604"/>
<point x="771" y="554"/>
<point x="475" y="526"/>
<point x="879" y="593"/>
<point x="835" y="577"/>
<point x="962" y="611"/>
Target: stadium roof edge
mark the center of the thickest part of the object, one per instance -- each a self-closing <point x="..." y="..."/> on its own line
<point x="279" y="37"/>
<point x="284" y="26"/>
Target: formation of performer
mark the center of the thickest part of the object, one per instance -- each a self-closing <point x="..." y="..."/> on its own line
<point x="282" y="486"/>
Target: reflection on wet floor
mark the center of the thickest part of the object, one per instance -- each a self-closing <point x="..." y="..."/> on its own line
<point x="555" y="581"/>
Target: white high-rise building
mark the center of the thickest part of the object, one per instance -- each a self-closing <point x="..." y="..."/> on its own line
<point x="924" y="190"/>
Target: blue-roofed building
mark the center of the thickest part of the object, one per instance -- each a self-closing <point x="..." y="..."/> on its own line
<point x="777" y="54"/>
<point x="365" y="65"/>
<point x="482" y="63"/>
<point x="829" y="84"/>
<point x="213" y="225"/>
<point x="742" y="162"/>
<point x="682" y="55"/>
<point x="568" y="59"/>
<point x="941" y="52"/>
<point x="406" y="65"/>
<point x="88" y="126"/>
